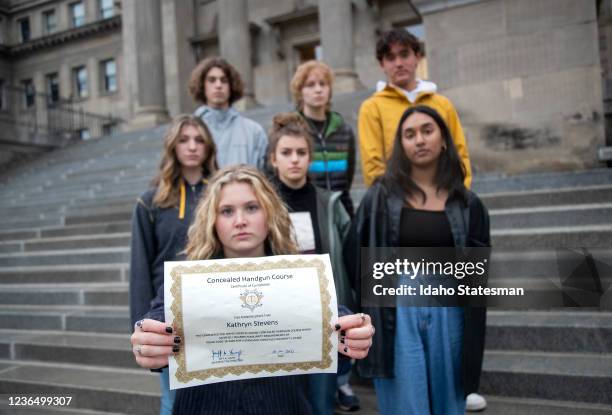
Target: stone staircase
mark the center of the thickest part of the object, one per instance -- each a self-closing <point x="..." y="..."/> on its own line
<point x="64" y="253"/>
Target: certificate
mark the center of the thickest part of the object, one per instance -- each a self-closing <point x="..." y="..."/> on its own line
<point x="251" y="317"/>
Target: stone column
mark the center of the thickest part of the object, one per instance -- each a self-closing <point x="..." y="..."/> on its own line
<point x="178" y="27"/>
<point x="336" y="26"/>
<point x="144" y="63"/>
<point x="235" y="44"/>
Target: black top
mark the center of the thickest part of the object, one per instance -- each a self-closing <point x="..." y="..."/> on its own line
<point x="302" y="200"/>
<point x="158" y="235"/>
<point x="319" y="125"/>
<point x="423" y="228"/>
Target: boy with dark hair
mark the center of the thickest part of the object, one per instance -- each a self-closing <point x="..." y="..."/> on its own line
<point x="217" y="85"/>
<point x="399" y="53"/>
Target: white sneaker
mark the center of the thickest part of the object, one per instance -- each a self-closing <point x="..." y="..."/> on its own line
<point x="475" y="402"/>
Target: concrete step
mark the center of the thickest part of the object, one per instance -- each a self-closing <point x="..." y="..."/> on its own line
<point x="576" y="377"/>
<point x="92" y="388"/>
<point x="543" y="264"/>
<point x="110" y="350"/>
<point x="553" y="331"/>
<point x="558" y="236"/>
<point x="89" y="218"/>
<point x="61" y="274"/>
<point x="497" y="405"/>
<point x="68" y="257"/>
<point x="495" y="183"/>
<point x="44" y="410"/>
<point x="86" y="229"/>
<point x="22" y="224"/>
<point x="77" y="242"/>
<point x="13" y="235"/>
<point x="90" y="319"/>
<point x="550" y="216"/>
<point x="103" y="294"/>
<point x="533" y="198"/>
<point x="97" y="209"/>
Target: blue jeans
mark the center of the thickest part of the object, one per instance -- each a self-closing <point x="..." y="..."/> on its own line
<point x="167" y="395"/>
<point x="428" y="355"/>
<point x="322" y="393"/>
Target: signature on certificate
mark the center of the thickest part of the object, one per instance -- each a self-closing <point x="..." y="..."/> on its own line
<point x="282" y="352"/>
<point x="230" y="355"/>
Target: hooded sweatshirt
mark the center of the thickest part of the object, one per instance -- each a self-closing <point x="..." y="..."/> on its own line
<point x="379" y="116"/>
<point x="239" y="140"/>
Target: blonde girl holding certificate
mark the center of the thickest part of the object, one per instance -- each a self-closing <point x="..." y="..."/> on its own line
<point x="239" y="216"/>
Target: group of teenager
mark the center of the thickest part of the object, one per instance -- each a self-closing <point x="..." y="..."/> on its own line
<point x="226" y="189"/>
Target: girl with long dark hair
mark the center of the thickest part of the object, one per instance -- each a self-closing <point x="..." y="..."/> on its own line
<point x="425" y="360"/>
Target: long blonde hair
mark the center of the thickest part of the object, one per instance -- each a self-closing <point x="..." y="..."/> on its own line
<point x="203" y="242"/>
<point x="166" y="181"/>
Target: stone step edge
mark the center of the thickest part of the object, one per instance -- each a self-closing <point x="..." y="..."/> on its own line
<point x="550" y="209"/>
<point x="38" y="230"/>
<point x="84" y="251"/>
<point x="553" y="230"/>
<point x="76" y="366"/>
<point x="548" y="402"/>
<point x="51" y="239"/>
<point x="119" y="266"/>
<point x="523" y="355"/>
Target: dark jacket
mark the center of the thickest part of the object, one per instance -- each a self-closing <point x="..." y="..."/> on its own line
<point x="333" y="161"/>
<point x="158" y="235"/>
<point x="377" y="223"/>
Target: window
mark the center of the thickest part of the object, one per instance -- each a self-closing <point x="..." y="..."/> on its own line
<point x="308" y="52"/>
<point x="109" y="129"/>
<point x="52" y="88"/>
<point x="107" y="9"/>
<point x="84" y="134"/>
<point x="49" y="21"/>
<point x="24" y="29"/>
<point x="77" y="11"/>
<point x="109" y="72"/>
<point x="80" y="82"/>
<point x="2" y="94"/>
<point x="28" y="93"/>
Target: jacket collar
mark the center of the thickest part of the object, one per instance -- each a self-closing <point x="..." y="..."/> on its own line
<point x="423" y="89"/>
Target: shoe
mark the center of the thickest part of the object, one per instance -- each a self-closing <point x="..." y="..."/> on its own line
<point x="347" y="401"/>
<point x="475" y="402"/>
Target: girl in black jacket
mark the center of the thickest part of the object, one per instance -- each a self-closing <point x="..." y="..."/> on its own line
<point x="163" y="214"/>
<point x="424" y="359"/>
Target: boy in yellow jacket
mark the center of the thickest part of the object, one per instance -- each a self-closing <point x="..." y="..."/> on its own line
<point x="399" y="54"/>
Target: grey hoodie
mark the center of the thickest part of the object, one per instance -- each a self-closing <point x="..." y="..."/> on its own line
<point x="238" y="139"/>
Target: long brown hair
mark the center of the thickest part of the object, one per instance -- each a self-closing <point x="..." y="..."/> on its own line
<point x="203" y="242"/>
<point x="166" y="181"/>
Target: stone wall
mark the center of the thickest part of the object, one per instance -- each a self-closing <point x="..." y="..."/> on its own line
<point x="525" y="77"/>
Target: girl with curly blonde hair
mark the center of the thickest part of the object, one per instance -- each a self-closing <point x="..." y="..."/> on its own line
<point x="240" y="216"/>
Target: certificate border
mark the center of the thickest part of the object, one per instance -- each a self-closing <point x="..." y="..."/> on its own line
<point x="183" y="376"/>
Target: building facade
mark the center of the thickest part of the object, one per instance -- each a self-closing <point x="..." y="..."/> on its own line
<point x="525" y="75"/>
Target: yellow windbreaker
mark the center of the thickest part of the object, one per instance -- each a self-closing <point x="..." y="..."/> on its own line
<point x="378" y="119"/>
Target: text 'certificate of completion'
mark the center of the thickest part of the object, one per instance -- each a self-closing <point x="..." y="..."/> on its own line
<point x="251" y="317"/>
